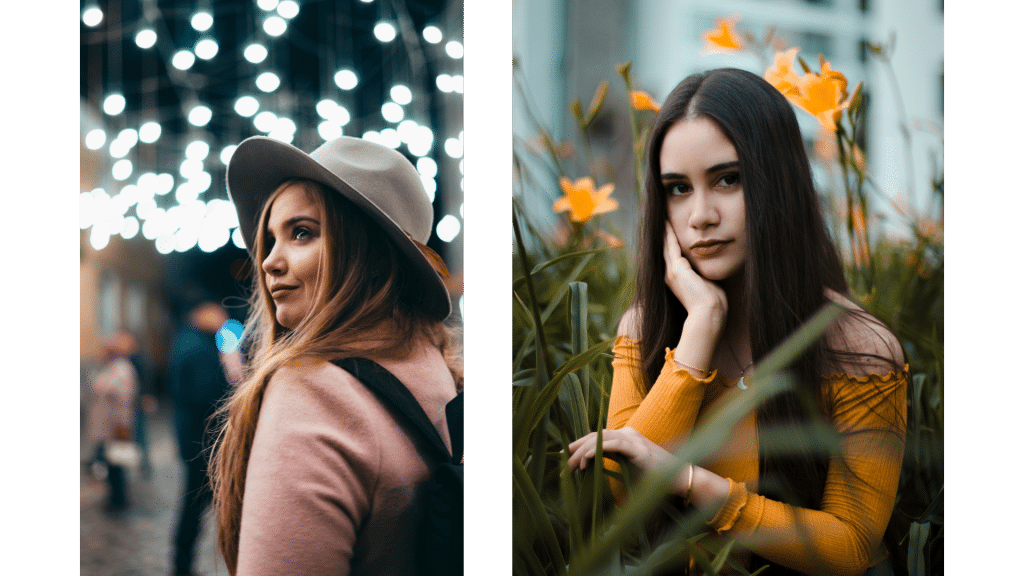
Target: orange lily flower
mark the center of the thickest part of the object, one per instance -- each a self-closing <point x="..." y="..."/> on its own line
<point x="642" y="101"/>
<point x="724" y="38"/>
<point x="583" y="200"/>
<point x="782" y="73"/>
<point x="823" y="95"/>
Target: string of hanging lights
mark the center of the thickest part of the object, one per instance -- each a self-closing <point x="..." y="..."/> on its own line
<point x="168" y="91"/>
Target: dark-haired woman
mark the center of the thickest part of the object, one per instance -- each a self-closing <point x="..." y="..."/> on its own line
<point x="734" y="256"/>
<point x="313" y="473"/>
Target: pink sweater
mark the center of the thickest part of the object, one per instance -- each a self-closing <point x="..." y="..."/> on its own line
<point x="332" y="481"/>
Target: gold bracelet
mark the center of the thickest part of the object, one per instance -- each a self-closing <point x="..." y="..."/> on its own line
<point x="708" y="372"/>
<point x="689" y="487"/>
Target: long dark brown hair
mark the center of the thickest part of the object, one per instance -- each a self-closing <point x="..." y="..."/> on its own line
<point x="364" y="284"/>
<point x="791" y="262"/>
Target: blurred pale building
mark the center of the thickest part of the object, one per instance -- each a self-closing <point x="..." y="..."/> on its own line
<point x="565" y="48"/>
<point x="121" y="285"/>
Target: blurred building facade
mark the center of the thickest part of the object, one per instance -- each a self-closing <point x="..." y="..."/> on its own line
<point x="564" y="49"/>
<point x="121" y="286"/>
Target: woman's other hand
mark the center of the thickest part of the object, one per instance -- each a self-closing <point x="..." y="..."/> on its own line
<point x="632" y="446"/>
<point x="705" y="488"/>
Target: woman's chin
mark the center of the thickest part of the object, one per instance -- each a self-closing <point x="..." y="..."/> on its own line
<point x="286" y="320"/>
<point x="716" y="273"/>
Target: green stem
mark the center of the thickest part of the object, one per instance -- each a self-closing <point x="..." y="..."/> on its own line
<point x="540" y="437"/>
<point x="637" y="150"/>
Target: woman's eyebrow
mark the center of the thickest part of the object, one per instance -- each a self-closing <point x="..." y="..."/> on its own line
<point x="670" y="176"/>
<point x="723" y="166"/>
<point x="295" y="220"/>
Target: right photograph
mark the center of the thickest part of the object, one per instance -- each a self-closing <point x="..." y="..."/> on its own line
<point x="728" y="287"/>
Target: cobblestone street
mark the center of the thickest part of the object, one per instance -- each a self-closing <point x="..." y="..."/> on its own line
<point x="137" y="541"/>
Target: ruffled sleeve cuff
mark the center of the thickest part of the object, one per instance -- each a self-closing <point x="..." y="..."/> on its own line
<point x="671" y="368"/>
<point x="730" y="511"/>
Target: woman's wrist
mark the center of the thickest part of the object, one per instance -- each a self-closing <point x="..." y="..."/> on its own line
<point x="708" y="321"/>
<point x="709" y="490"/>
<point x="696" y="346"/>
<point x="699" y="373"/>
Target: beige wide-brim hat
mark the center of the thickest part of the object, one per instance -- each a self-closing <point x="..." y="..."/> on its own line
<point x="378" y="180"/>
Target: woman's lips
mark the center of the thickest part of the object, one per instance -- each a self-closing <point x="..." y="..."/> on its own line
<point x="277" y="293"/>
<point x="708" y="249"/>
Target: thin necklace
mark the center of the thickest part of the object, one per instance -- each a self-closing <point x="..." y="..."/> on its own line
<point x="743" y="369"/>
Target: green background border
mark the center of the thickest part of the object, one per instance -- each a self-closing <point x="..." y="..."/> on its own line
<point x="488" y="322"/>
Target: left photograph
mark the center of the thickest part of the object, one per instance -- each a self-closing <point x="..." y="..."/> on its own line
<point x="271" y="287"/>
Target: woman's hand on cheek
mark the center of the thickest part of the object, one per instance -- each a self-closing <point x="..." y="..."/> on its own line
<point x="702" y="298"/>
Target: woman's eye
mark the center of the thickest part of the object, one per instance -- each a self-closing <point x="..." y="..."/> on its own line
<point x="301" y="233"/>
<point x="678" y="189"/>
<point x="729" y="180"/>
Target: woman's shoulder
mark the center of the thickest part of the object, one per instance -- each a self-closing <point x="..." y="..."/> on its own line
<point x="860" y="344"/>
<point x="309" y="404"/>
<point x="318" y="383"/>
<point x="629" y="324"/>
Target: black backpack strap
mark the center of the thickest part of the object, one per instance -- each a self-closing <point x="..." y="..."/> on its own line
<point x="394" y="393"/>
<point x="453" y="412"/>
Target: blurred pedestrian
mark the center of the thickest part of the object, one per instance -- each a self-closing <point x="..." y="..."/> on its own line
<point x="198" y="383"/>
<point x="145" y="402"/>
<point x="110" y="417"/>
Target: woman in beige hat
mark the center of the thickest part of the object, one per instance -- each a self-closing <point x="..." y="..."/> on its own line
<point x="313" y="473"/>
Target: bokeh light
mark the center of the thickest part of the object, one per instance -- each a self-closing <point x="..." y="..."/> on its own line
<point x="121" y="170"/>
<point x="255" y="53"/>
<point x="229" y="336"/>
<point x="432" y="34"/>
<point x="202" y="20"/>
<point x="197" y="150"/>
<point x="247" y="106"/>
<point x="146" y="38"/>
<point x="275" y="25"/>
<point x="264" y="121"/>
<point x="384" y="31"/>
<point x="454" y="49"/>
<point x="225" y="154"/>
<point x="113" y="104"/>
<point x="92" y="16"/>
<point x="150" y="132"/>
<point x="346" y="79"/>
<point x="401" y="94"/>
<point x="183" y="59"/>
<point x="288" y="9"/>
<point x="448" y="228"/>
<point x="200" y="116"/>
<point x="95" y="139"/>
<point x="392" y="112"/>
<point x="207" y="48"/>
<point x="268" y="82"/>
<point x="453" y="147"/>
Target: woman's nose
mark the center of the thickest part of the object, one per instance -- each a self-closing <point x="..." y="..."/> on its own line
<point x="704" y="213"/>
<point x="274" y="263"/>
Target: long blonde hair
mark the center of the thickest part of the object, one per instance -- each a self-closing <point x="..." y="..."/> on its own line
<point x="374" y="290"/>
